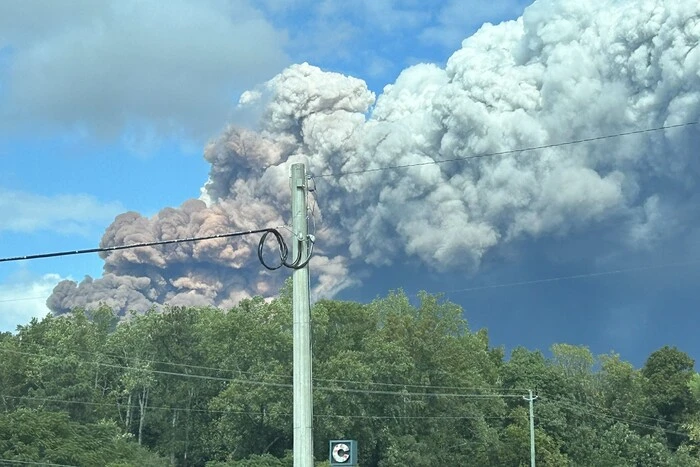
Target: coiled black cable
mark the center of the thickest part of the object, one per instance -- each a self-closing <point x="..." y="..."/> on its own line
<point x="282" y="246"/>
<point x="284" y="251"/>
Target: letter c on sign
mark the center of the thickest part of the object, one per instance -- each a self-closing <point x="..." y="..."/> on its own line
<point x="341" y="452"/>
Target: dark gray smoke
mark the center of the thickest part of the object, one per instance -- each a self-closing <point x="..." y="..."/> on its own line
<point x="566" y="70"/>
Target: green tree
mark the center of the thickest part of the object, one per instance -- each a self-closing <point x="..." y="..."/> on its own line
<point x="253" y="342"/>
<point x="58" y="359"/>
<point x="408" y="379"/>
<point x="668" y="373"/>
<point x="37" y="436"/>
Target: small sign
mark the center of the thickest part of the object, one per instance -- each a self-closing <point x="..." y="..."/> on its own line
<point x="343" y="452"/>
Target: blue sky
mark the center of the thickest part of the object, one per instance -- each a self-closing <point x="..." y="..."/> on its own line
<point x="106" y="107"/>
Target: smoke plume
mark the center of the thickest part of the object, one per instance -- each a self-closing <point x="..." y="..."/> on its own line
<point x="566" y="70"/>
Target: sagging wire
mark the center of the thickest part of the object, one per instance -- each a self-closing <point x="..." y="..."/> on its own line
<point x="282" y="248"/>
<point x="507" y="152"/>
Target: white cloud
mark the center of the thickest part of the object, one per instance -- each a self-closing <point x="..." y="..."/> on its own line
<point x="24" y="298"/>
<point x="66" y="213"/>
<point x="111" y="67"/>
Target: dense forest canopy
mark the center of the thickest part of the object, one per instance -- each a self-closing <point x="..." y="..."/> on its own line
<point x="412" y="383"/>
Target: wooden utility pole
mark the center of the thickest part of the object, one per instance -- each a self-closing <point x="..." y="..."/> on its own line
<point x="303" y="401"/>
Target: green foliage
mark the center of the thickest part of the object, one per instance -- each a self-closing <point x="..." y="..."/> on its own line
<point x="668" y="375"/>
<point x="409" y="381"/>
<point x="52" y="437"/>
<point x="264" y="460"/>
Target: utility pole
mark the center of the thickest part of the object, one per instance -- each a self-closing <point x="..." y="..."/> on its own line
<point x="531" y="399"/>
<point x="303" y="401"/>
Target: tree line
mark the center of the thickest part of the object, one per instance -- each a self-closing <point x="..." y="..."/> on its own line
<point x="410" y="382"/>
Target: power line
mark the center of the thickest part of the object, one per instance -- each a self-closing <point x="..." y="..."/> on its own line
<point x="6" y="300"/>
<point x="159" y="372"/>
<point x="417" y="417"/>
<point x="194" y="376"/>
<point x="510" y="151"/>
<point x="183" y="365"/>
<point x="419" y="386"/>
<point x="358" y="416"/>
<point x="282" y="247"/>
<point x="422" y="394"/>
<point x="278" y="385"/>
<point x="611" y="417"/>
<point x="278" y="375"/>
<point x="597" y="407"/>
<point x="115" y="404"/>
<point x="571" y="277"/>
<point x="275" y="232"/>
<point x="275" y="375"/>
<point x="134" y="245"/>
<point x="622" y="420"/>
<point x="494" y="286"/>
<point x="244" y="412"/>
<point x="567" y="404"/>
<point x="14" y="461"/>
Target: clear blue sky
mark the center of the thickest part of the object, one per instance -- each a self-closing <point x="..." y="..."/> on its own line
<point x="105" y="107"/>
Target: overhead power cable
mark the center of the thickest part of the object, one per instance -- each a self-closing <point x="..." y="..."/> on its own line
<point x="544" y="280"/>
<point x="289" y="376"/>
<point x="267" y="413"/>
<point x="419" y="394"/>
<point x="15" y="461"/>
<point x="597" y="414"/>
<point x="571" y="277"/>
<point x="22" y="299"/>
<point x="283" y="249"/>
<point x="509" y="151"/>
<point x="419" y="386"/>
<point x="275" y="384"/>
<point x="244" y="412"/>
<point x="611" y="411"/>
<point x="272" y="375"/>
<point x="132" y="245"/>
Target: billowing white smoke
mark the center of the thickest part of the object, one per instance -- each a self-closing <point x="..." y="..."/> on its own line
<point x="565" y="70"/>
